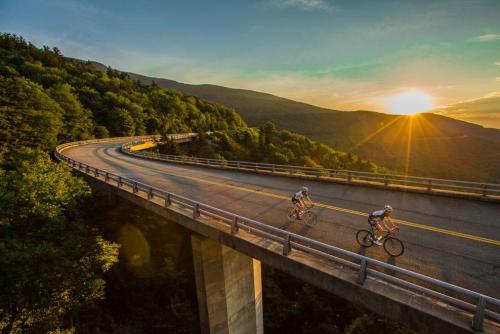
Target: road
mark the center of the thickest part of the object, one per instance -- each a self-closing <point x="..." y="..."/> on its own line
<point x="455" y="240"/>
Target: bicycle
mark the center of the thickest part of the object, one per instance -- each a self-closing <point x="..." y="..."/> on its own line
<point x="392" y="245"/>
<point x="308" y="217"/>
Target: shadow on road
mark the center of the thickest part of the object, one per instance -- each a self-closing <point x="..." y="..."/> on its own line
<point x="361" y="251"/>
<point x="391" y="260"/>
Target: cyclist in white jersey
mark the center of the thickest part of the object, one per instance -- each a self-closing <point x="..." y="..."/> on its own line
<point x="298" y="199"/>
<point x="380" y="221"/>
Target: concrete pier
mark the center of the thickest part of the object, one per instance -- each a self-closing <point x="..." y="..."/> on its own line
<point x="229" y="288"/>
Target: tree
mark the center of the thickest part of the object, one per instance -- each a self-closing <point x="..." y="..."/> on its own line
<point x="120" y="123"/>
<point x="269" y="131"/>
<point x="77" y="120"/>
<point x="28" y="117"/>
<point x="50" y="261"/>
<point x="101" y="131"/>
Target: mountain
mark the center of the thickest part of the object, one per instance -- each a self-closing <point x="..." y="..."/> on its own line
<point x="440" y="146"/>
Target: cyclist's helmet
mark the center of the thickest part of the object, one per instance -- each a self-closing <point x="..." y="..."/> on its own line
<point x="388" y="208"/>
<point x="305" y="190"/>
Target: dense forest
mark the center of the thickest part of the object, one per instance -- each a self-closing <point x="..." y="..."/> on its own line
<point x="59" y="271"/>
<point x="270" y="145"/>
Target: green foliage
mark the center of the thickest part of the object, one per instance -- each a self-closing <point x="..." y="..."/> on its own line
<point x="46" y="99"/>
<point x="77" y="120"/>
<point x="272" y="146"/>
<point x="50" y="262"/>
<point x="101" y="132"/>
<point x="28" y="116"/>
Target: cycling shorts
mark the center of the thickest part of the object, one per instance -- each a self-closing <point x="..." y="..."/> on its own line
<point x="373" y="221"/>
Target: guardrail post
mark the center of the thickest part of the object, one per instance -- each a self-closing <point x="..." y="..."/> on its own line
<point x="136" y="188"/>
<point x="168" y="201"/>
<point x="150" y="193"/>
<point x="429" y="185"/>
<point x="286" y="245"/>
<point x="349" y="177"/>
<point x="87" y="169"/>
<point x="274" y="169"/>
<point x="292" y="171"/>
<point x="477" y="321"/>
<point x="106" y="177"/>
<point x="238" y="165"/>
<point x="120" y="182"/>
<point x="485" y="189"/>
<point x="96" y="172"/>
<point x="362" y="272"/>
<point x="196" y="211"/>
<point x="386" y="181"/>
<point x="234" y="226"/>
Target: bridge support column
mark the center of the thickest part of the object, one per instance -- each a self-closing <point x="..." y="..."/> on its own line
<point x="229" y="288"/>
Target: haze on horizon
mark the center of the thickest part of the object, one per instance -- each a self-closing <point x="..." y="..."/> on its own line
<point x="386" y="56"/>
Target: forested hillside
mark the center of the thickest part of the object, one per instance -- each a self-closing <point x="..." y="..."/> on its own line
<point x="270" y="145"/>
<point x="46" y="99"/>
<point x="426" y="145"/>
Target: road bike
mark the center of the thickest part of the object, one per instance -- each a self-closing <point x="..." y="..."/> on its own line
<point x="308" y="216"/>
<point x="392" y="245"/>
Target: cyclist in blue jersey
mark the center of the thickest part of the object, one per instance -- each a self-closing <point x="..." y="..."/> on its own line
<point x="380" y="220"/>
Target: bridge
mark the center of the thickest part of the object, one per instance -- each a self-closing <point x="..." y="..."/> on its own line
<point x="447" y="280"/>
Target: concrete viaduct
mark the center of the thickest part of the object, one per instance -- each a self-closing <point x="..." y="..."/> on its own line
<point x="448" y="280"/>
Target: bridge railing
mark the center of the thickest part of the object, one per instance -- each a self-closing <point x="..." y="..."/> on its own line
<point x="431" y="185"/>
<point x="474" y="302"/>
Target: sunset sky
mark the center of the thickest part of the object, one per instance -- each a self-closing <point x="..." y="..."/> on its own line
<point x="348" y="55"/>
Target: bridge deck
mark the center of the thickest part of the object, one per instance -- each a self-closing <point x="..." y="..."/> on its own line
<point x="455" y="240"/>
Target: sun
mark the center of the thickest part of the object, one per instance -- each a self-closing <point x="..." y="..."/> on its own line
<point x="410" y="103"/>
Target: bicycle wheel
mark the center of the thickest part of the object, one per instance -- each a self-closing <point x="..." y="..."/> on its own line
<point x="290" y="214"/>
<point x="310" y="218"/>
<point x="394" y="246"/>
<point x="364" y="238"/>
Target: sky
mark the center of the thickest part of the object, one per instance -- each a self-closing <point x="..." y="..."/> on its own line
<point x="339" y="54"/>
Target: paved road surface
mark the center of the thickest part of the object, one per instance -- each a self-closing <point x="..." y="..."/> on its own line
<point x="451" y="239"/>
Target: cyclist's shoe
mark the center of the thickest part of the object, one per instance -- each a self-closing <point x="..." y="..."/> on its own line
<point x="376" y="240"/>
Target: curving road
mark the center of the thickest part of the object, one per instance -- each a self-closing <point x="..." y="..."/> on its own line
<point x="455" y="240"/>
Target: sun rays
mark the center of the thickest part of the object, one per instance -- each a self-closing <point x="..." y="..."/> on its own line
<point x="406" y="137"/>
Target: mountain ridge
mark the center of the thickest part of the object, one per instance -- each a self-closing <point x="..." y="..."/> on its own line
<point x="439" y="146"/>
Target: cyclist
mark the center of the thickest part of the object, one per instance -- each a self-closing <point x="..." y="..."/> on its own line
<point x="298" y="199"/>
<point x="380" y="220"/>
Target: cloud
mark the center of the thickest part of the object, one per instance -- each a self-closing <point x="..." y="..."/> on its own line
<point x="498" y="79"/>
<point x="301" y="4"/>
<point x="498" y="63"/>
<point x="484" y="110"/>
<point x="487" y="37"/>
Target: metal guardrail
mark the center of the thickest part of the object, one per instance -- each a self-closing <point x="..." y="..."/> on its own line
<point x="292" y="241"/>
<point x="431" y="185"/>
